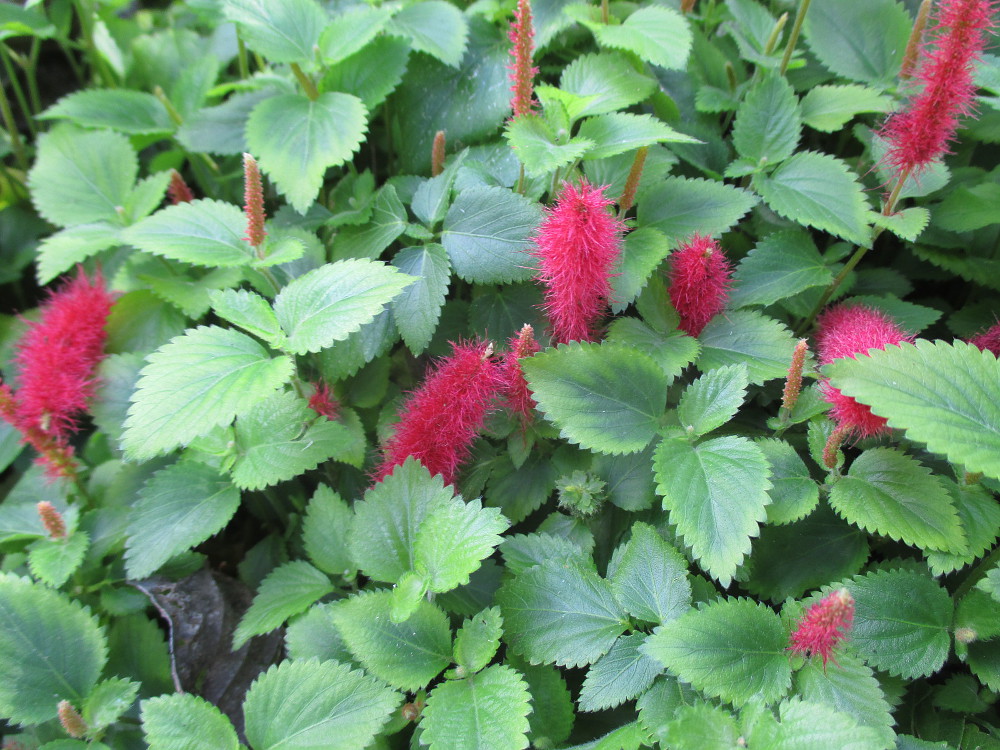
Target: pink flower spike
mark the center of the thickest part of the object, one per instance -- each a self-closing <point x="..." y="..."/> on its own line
<point x="253" y="201"/>
<point x="322" y="401"/>
<point x="441" y="419"/>
<point x="823" y="626"/>
<point x="988" y="340"/>
<point x="699" y="282"/>
<point x="919" y="134"/>
<point x="522" y="73"/>
<point x="844" y="331"/>
<point x="577" y="246"/>
<point x="515" y="387"/>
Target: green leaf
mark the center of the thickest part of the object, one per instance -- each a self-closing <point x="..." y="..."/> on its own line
<point x="901" y="622"/>
<point x="829" y="108"/>
<point x="616" y="133"/>
<point x="658" y="35"/>
<point x="326" y="530"/>
<point x="907" y="224"/>
<point x="198" y="381"/>
<point x="286" y="591"/>
<point x="793" y="492"/>
<point x="560" y="612"/>
<point x="249" y="311"/>
<point x="52" y="649"/>
<point x="629" y="479"/>
<point x="968" y="209"/>
<point x="314" y="635"/>
<point x="607" y="398"/>
<point x="620" y="675"/>
<point x="535" y="143"/>
<point x="486" y="710"/>
<point x="61" y="251"/>
<point x="862" y="40"/>
<point x="55" y="560"/>
<point x="297" y="139"/>
<point x="186" y="722"/>
<point x="733" y="649"/>
<point x="407" y="655"/>
<point x="644" y="249"/>
<point x="747" y="336"/>
<point x="203" y="232"/>
<point x="680" y="207"/>
<point x="608" y="79"/>
<point x="351" y="31"/>
<point x="486" y="235"/>
<point x="311" y="705"/>
<point x="696" y="483"/>
<point x="109" y="700"/>
<point x="672" y="351"/>
<point x="372" y="73"/>
<point x="990" y="583"/>
<point x="768" y="127"/>
<point x="700" y="726"/>
<point x="944" y="395"/>
<point x="453" y="539"/>
<point x="523" y="551"/>
<point x="979" y="514"/>
<point x="889" y="493"/>
<point x="649" y="577"/>
<point x="417" y="310"/>
<point x="781" y="265"/>
<point x="179" y="507"/>
<point x="713" y="399"/>
<point x="333" y="301"/>
<point x="388" y="221"/>
<point x="82" y="177"/>
<point x="285" y="32"/>
<point x="813" y="726"/>
<point x="818" y="190"/>
<point x="434" y="27"/>
<point x="131" y="112"/>
<point x="478" y="639"/>
<point x="551" y="717"/>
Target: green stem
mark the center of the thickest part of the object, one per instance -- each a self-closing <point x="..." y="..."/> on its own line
<point x="306" y="82"/>
<point x="15" y="84"/>
<point x="242" y="61"/>
<point x="31" y="75"/>
<point x="605" y="12"/>
<point x="520" y="181"/>
<point x="15" y="137"/>
<point x="793" y="38"/>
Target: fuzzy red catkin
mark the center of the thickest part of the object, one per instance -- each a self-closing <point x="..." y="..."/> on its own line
<point x="515" y="388"/>
<point x="522" y="73"/>
<point x="699" y="282"/>
<point x="824" y="625"/>
<point x="988" y="340"/>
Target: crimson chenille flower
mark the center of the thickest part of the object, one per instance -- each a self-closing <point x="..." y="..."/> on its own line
<point x="322" y="401"/>
<point x="699" y="282"/>
<point x="824" y="625"/>
<point x="514" y="387"/>
<point x="988" y="340"/>
<point x="844" y="331"/>
<point x="577" y="246"/>
<point x="441" y="419"/>
<point x="919" y="134"/>
<point x="522" y="73"/>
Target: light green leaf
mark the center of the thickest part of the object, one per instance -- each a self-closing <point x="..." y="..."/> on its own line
<point x="649" y="577"/>
<point x="609" y="79"/>
<point x="435" y="27"/>
<point x="109" y="700"/>
<point x="407" y="655"/>
<point x="388" y="221"/>
<point x="249" y="311"/>
<point x="820" y="191"/>
<point x="793" y="493"/>
<point x="333" y="301"/>
<point x="733" y="649"/>
<point x="781" y="265"/>
<point x="813" y="726"/>
<point x="311" y="705"/>
<point x="486" y="710"/>
<point x="696" y="483"/>
<point x="130" y="112"/>
<point x="351" y="31"/>
<point x="535" y="144"/>
<point x="486" y="235"/>
<point x="643" y="251"/>
<point x="285" y="32"/>
<point x="560" y="612"/>
<point x="186" y="722"/>
<point x="195" y="382"/>
<point x="417" y="310"/>
<point x="990" y="583"/>
<point x="713" y="399"/>
<point x="672" y="351"/>
<point x="620" y="675"/>
<point x="944" y="395"/>
<point x="179" y="507"/>
<point x="907" y="224"/>
<point x="607" y="398"/>
<point x="829" y="108"/>
<point x="82" y="177"/>
<point x="314" y="636"/>
<point x="51" y="649"/>
<point x="326" y="529"/>
<point x="453" y="539"/>
<point x="616" y="133"/>
<point x="203" y="232"/>
<point x="768" y="127"/>
<point x="700" y="726"/>
<point x="747" y="336"/>
<point x="680" y="207"/>
<point x="889" y="493"/>
<point x="297" y="139"/>
<point x="61" y="251"/>
<point x="53" y="561"/>
<point x="657" y="34"/>
<point x="477" y="641"/>
<point x="286" y="591"/>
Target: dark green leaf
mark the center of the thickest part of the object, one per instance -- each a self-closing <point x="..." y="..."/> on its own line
<point x="781" y="265"/>
<point x="793" y="492"/>
<point x="620" y="675"/>
<point x="131" y="112"/>
<point x="747" y="336"/>
<point x="435" y="27"/>
<point x="649" y="577"/>
<point x="325" y="531"/>
<point x="417" y="310"/>
<point x="680" y="207"/>
<point x="767" y="127"/>
<point x="288" y="590"/>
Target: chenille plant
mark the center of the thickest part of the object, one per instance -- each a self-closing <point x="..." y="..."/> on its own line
<point x="420" y="374"/>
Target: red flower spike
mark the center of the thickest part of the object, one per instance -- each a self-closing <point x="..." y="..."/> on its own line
<point x="988" y="340"/>
<point x="824" y="625"/>
<point x="441" y="419"/>
<point x="844" y="331"/>
<point x="177" y="190"/>
<point x="793" y="383"/>
<point x="322" y="401"/>
<point x="699" y="282"/>
<point x="52" y="520"/>
<point x="920" y="133"/>
<point x="522" y="73"/>
<point x="437" y="154"/>
<point x="253" y="201"/>
<point x="577" y="246"/>
<point x="71" y="720"/>
<point x="515" y="387"/>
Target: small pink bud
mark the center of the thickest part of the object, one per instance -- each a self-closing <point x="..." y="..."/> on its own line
<point x="52" y="520"/>
<point x="632" y="181"/>
<point x="322" y="401"/>
<point x="699" y="282"/>
<point x="437" y="154"/>
<point x="793" y="383"/>
<point x="824" y="625"/>
<point x="178" y="191"/>
<point x="522" y="73"/>
<point x="71" y="720"/>
<point x="515" y="387"/>
<point x="253" y="201"/>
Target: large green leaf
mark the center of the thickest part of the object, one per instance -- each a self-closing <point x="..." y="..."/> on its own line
<point x="131" y="112"/>
<point x="672" y="351"/>
<point x="608" y="79"/>
<point x="417" y="310"/>
<point x="388" y="221"/>
<point x="185" y="722"/>
<point x="733" y="649"/>
<point x="767" y="127"/>
<point x="944" y="395"/>
<point x="980" y="517"/>
<point x="296" y="139"/>
<point x="61" y="251"/>
<point x="452" y="541"/>
<point x="325" y="530"/>
<point x="560" y="612"/>
<point x="311" y="705"/>
<point x="486" y="710"/>
<point x="51" y="649"/>
<point x="179" y="507"/>
<point x="680" y="207"/>
<point x="829" y="108"/>
<point x="697" y="484"/>
<point x="333" y="301"/>
<point x="713" y="399"/>
<point x="605" y="397"/>
<point x="435" y="27"/>
<point x="820" y="191"/>
<point x="286" y="591"/>
<point x="372" y="73"/>
<point x="889" y="493"/>
<point x="657" y="34"/>
<point x="763" y="344"/>
<point x="351" y="31"/>
<point x="781" y="265"/>
<point x="249" y="311"/>
<point x="285" y="32"/>
<point x="196" y="382"/>
<point x="622" y="674"/>
<point x="203" y="232"/>
<point x="618" y="132"/>
<point x="794" y="493"/>
<point x="649" y="577"/>
<point x="535" y="143"/>
<point x="810" y="726"/>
